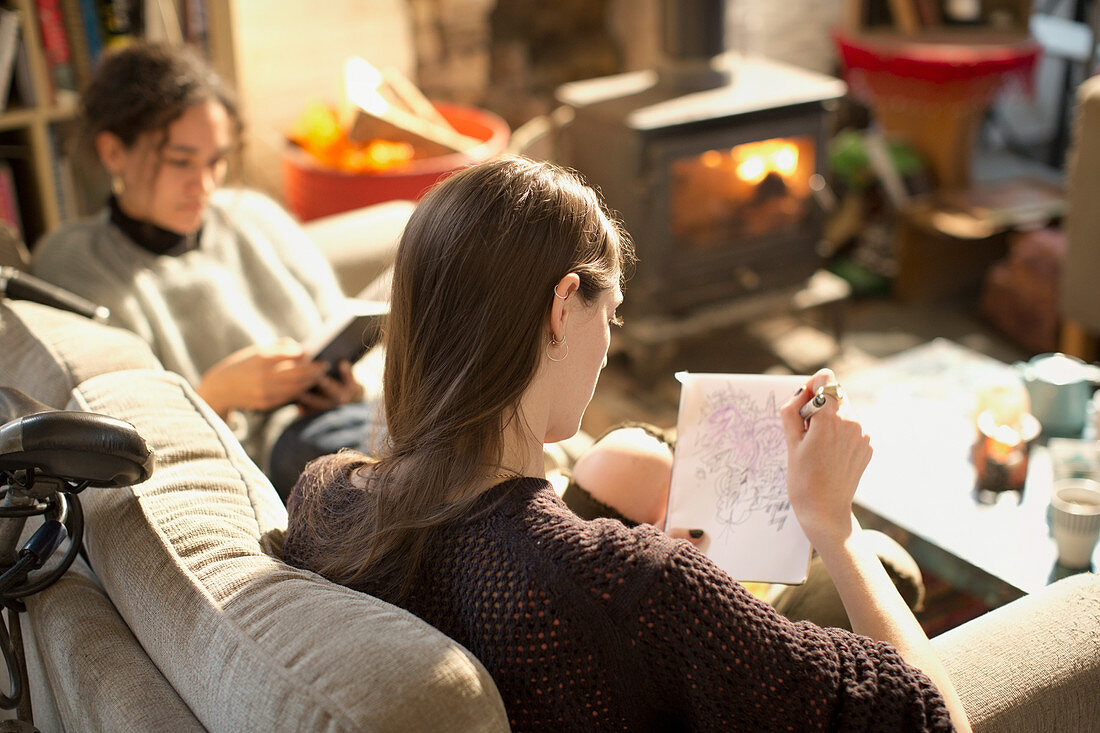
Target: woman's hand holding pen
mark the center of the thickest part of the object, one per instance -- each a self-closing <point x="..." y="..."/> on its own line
<point x="827" y="454"/>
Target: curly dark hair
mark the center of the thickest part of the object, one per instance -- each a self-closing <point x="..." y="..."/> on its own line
<point x="145" y="87"/>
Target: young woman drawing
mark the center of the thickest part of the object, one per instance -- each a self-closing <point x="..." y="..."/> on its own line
<point x="505" y="289"/>
<point x="223" y="284"/>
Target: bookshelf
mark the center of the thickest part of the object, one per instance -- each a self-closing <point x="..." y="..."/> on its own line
<point x="51" y="186"/>
<point x="28" y="133"/>
<point x="257" y="47"/>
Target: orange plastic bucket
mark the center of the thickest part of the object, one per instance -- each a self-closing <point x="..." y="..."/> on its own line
<point x="312" y="191"/>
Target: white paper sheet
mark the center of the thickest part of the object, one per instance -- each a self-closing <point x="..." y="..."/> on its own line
<point x="729" y="475"/>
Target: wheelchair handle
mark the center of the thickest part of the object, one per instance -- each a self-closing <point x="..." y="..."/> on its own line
<point x="83" y="447"/>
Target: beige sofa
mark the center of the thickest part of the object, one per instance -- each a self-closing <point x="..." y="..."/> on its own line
<point x="177" y="628"/>
<point x="190" y="622"/>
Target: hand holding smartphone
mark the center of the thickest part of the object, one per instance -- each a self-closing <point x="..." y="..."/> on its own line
<point x="349" y="335"/>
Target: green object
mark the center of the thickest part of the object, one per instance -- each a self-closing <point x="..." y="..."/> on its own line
<point x="849" y="162"/>
<point x="865" y="283"/>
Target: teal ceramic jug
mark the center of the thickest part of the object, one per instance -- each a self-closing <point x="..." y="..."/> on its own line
<point x="1060" y="387"/>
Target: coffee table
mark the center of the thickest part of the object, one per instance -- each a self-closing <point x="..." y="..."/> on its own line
<point x="919" y="488"/>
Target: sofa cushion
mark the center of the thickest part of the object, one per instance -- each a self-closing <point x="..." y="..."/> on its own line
<point x="73" y="619"/>
<point x="75" y="349"/>
<point x="360" y="244"/>
<point x="249" y="642"/>
<point x="1031" y="665"/>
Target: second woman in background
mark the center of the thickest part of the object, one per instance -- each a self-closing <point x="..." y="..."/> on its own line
<point x="222" y="284"/>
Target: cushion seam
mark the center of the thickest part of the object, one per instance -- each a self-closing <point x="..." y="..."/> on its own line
<point x="281" y="670"/>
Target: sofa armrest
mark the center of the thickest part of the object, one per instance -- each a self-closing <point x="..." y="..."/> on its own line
<point x="360" y="244"/>
<point x="1033" y="664"/>
<point x="80" y="650"/>
<point x="248" y="642"/>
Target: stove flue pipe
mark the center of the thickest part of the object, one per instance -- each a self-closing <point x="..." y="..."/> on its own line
<point x="693" y="42"/>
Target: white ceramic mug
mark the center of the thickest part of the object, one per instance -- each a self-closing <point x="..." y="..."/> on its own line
<point x="1075" y="520"/>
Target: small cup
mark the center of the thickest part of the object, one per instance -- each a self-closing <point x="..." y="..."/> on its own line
<point x="1075" y="520"/>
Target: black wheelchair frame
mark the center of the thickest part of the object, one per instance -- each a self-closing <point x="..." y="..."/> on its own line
<point x="47" y="457"/>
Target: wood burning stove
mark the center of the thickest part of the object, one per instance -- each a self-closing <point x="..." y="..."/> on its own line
<point x="709" y="162"/>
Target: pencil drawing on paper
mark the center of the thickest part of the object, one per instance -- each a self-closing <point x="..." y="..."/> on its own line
<point x="741" y="452"/>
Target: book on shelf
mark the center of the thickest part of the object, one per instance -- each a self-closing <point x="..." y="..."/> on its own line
<point x="93" y="29"/>
<point x="729" y="475"/>
<point x="55" y="44"/>
<point x="23" y="83"/>
<point x="9" y="48"/>
<point x="67" y="205"/>
<point x="121" y="21"/>
<point x="9" y="200"/>
<point x="78" y="40"/>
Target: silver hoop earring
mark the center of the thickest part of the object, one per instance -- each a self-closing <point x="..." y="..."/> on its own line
<point x="555" y="342"/>
<point x="118" y="186"/>
<point x="563" y="297"/>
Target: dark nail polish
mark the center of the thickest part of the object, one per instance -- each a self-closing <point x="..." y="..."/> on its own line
<point x="799" y="391"/>
<point x="695" y="533"/>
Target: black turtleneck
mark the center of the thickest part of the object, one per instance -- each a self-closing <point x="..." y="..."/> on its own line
<point x="149" y="236"/>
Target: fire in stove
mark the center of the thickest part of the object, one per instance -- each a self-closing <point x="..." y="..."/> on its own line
<point x="715" y="186"/>
<point x="748" y="191"/>
<point x="708" y="158"/>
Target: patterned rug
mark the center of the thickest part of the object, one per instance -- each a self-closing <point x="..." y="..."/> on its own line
<point x="946" y="607"/>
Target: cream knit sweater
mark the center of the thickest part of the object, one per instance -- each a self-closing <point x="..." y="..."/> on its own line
<point x="254" y="277"/>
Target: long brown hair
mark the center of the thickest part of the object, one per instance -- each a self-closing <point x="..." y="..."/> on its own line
<point x="472" y="291"/>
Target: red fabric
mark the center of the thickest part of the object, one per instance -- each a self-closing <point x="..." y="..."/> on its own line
<point x="941" y="72"/>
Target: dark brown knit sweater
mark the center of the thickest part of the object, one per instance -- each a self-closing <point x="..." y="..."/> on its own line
<point x="589" y="625"/>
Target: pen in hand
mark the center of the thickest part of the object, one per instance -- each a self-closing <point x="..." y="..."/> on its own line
<point x="820" y="397"/>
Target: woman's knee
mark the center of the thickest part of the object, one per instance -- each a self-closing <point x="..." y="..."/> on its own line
<point x="628" y="469"/>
